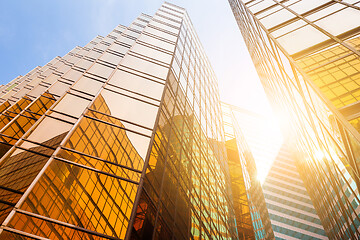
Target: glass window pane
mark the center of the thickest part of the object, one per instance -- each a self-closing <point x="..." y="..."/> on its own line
<point x="88" y="85"/>
<point x="152" y="53"/>
<point x="137" y="84"/>
<point x="301" y="39"/>
<point x="349" y="19"/>
<point x="277" y="18"/>
<point x="101" y="70"/>
<point x="72" y="105"/>
<point x="145" y="66"/>
<point x="306" y="5"/>
<point x="129" y="109"/>
<point x="64" y="191"/>
<point x="288" y="28"/>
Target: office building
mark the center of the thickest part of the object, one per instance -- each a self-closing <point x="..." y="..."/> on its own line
<point x="301" y="48"/>
<point x="249" y="201"/>
<point x="290" y="209"/>
<point x="262" y="134"/>
<point x="120" y="139"/>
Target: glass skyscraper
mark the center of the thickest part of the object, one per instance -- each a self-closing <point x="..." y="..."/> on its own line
<point x="249" y="202"/>
<point x="119" y="139"/>
<point x="290" y="209"/>
<point x="306" y="55"/>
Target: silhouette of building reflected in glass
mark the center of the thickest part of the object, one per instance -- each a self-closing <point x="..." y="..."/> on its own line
<point x="120" y="139"/>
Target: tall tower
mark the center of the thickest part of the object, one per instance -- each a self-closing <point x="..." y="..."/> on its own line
<point x="252" y="217"/>
<point x="306" y="55"/>
<point x="290" y="209"/>
<point x="120" y="139"/>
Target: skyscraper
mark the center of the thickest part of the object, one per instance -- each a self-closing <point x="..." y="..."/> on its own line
<point x="120" y="139"/>
<point x="289" y="42"/>
<point x="249" y="201"/>
<point x="290" y="209"/>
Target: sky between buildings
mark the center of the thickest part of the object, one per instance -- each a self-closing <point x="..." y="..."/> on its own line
<point x="34" y="32"/>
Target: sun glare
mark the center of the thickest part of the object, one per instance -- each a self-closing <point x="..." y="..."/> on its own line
<point x="264" y="138"/>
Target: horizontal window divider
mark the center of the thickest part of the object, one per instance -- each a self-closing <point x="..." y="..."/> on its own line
<point x="31" y="112"/>
<point x="138" y="99"/>
<point x="100" y="159"/>
<point x="115" y="53"/>
<point x="40" y="144"/>
<point x="95" y="170"/>
<point x="91" y="59"/>
<point x="44" y="84"/>
<point x="25" y="234"/>
<point x="86" y="93"/>
<point x="154" y="47"/>
<point x="138" y="24"/>
<point x="123" y="120"/>
<point x="47" y="219"/>
<point x="167" y="24"/>
<point x="152" y="60"/>
<point x="7" y="136"/>
<point x="96" y="77"/>
<point x="133" y="30"/>
<point x="30" y="96"/>
<point x="20" y="114"/>
<point x="123" y="68"/>
<point x="80" y="69"/>
<point x="123" y="44"/>
<point x="159" y="38"/>
<point x="142" y="74"/>
<point x="60" y="119"/>
<point x="65" y="114"/>
<point x="146" y="44"/>
<point x="11" y="190"/>
<point x="7" y="203"/>
<point x="95" y="49"/>
<point x="66" y="81"/>
<point x="170" y="13"/>
<point x="107" y="64"/>
<point x="265" y="9"/>
<point x="44" y="95"/>
<point x="13" y="99"/>
<point x="142" y="95"/>
<point x="72" y="93"/>
<point x="167" y="18"/>
<point x="38" y="153"/>
<point x="114" y="125"/>
<point x="105" y="43"/>
<point x="129" y="36"/>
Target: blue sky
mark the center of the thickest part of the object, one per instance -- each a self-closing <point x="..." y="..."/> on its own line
<point x="34" y="32"/>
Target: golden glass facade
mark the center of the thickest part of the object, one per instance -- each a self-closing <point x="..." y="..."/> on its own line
<point x="120" y="139"/>
<point x="306" y="55"/>
<point x="252" y="217"/>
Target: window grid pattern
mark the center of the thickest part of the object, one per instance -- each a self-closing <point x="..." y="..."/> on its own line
<point x="324" y="143"/>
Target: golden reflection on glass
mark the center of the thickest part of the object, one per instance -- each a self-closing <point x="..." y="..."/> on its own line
<point x="239" y="194"/>
<point x="82" y="197"/>
<point x="12" y="111"/>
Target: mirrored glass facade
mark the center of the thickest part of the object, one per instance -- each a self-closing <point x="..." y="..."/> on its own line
<point x="119" y="139"/>
<point x="305" y="53"/>
<point x="290" y="209"/>
<point x="251" y="212"/>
